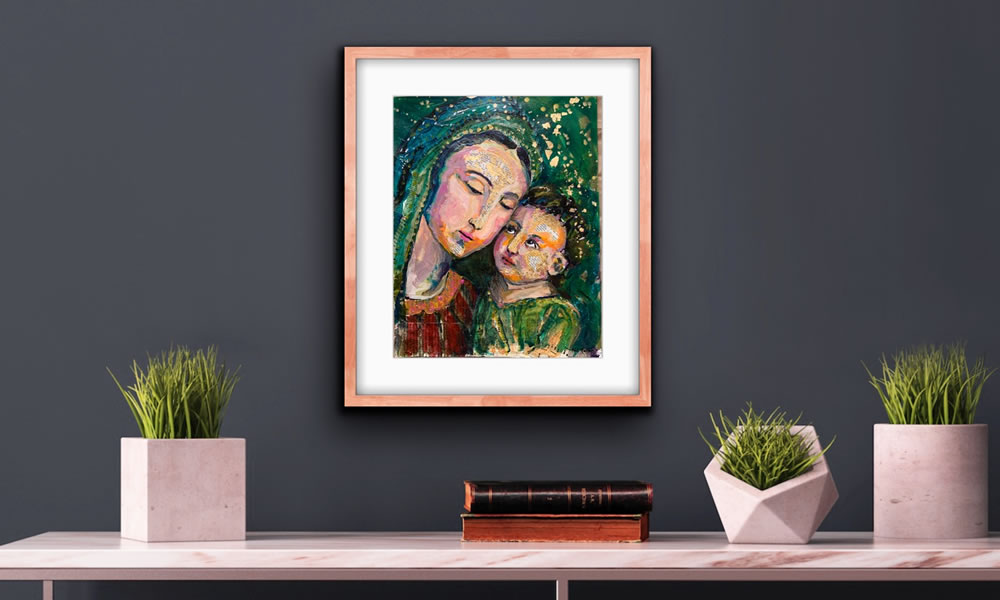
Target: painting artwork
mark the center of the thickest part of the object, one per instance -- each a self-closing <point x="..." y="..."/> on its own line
<point x="497" y="226"/>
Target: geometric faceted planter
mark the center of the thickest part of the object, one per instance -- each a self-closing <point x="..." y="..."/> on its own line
<point x="787" y="513"/>
<point x="183" y="489"/>
<point x="931" y="481"/>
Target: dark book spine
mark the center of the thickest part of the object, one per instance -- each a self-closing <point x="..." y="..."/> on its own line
<point x="558" y="497"/>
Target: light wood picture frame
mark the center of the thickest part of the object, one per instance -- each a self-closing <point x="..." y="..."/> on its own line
<point x="639" y="392"/>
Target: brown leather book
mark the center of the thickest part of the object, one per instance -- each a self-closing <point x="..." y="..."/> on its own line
<point x="558" y="497"/>
<point x="555" y="528"/>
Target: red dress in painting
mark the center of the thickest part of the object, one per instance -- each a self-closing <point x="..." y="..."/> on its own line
<point x="439" y="326"/>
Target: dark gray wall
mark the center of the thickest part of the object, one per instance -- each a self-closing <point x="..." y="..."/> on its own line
<point x="825" y="188"/>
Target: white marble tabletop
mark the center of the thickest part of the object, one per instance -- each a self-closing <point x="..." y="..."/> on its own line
<point x="445" y="550"/>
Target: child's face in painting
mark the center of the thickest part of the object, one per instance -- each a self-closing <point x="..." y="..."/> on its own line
<point x="530" y="247"/>
<point x="478" y="190"/>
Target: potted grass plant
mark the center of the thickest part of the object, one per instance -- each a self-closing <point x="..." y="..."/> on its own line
<point x="931" y="473"/>
<point x="180" y="481"/>
<point x="768" y="477"/>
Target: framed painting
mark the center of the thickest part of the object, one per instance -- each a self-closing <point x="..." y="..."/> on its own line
<point x="497" y="226"/>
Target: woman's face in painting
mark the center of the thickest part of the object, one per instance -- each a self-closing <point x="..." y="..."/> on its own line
<point x="478" y="190"/>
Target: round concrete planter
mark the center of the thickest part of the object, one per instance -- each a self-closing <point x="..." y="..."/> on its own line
<point x="931" y="481"/>
<point x="788" y="513"/>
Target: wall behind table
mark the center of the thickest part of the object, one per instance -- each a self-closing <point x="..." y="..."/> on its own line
<point x="825" y="189"/>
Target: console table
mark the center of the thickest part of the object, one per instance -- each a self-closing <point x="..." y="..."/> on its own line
<point x="79" y="556"/>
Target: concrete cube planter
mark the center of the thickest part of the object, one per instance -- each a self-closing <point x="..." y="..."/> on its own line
<point x="183" y="489"/>
<point x="931" y="481"/>
<point x="788" y="513"/>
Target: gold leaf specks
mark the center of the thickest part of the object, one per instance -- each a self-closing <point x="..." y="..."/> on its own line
<point x="554" y="162"/>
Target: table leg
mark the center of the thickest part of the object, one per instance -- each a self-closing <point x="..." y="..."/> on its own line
<point x="562" y="589"/>
<point x="46" y="590"/>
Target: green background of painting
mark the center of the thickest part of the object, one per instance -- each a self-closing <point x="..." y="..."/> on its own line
<point x="576" y="175"/>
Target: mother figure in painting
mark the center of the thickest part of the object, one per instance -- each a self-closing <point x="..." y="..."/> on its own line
<point x="458" y="177"/>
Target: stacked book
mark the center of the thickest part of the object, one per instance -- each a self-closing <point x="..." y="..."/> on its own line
<point x="556" y="511"/>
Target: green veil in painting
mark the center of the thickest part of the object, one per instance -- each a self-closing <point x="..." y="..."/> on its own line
<point x="420" y="152"/>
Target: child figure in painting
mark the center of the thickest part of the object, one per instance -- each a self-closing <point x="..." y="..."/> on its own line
<point x="523" y="314"/>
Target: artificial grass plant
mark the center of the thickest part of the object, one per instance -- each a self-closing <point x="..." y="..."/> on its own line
<point x="931" y="385"/>
<point x="760" y="449"/>
<point x="180" y="394"/>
